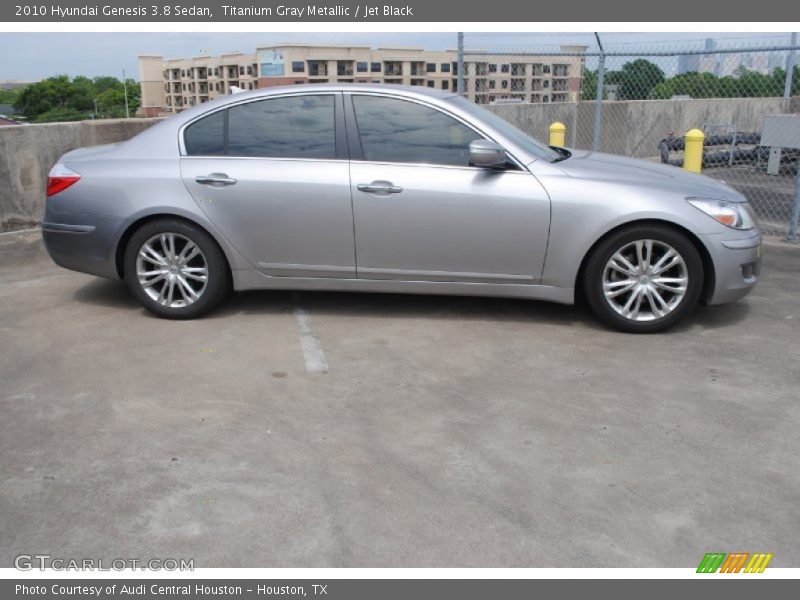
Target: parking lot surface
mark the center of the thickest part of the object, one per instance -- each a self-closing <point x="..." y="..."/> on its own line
<point x="346" y="430"/>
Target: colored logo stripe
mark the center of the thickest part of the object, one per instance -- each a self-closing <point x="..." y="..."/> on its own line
<point x="734" y="562"/>
<point x="711" y="562"/>
<point x="758" y="563"/>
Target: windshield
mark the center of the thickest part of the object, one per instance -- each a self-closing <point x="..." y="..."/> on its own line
<point x="519" y="137"/>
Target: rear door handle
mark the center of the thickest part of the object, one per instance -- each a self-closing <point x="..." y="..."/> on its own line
<point x="215" y="179"/>
<point x="381" y="188"/>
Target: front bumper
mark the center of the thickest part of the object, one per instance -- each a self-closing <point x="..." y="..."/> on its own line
<point x="737" y="264"/>
<point x="80" y="242"/>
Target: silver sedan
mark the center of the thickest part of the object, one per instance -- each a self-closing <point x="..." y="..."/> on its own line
<point x="391" y="189"/>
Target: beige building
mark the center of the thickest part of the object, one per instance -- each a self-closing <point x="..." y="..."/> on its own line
<point x="175" y="84"/>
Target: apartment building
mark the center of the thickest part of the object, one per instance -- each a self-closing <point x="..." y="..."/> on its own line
<point x="175" y="84"/>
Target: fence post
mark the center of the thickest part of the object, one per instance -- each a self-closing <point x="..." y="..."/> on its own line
<point x="787" y="89"/>
<point x="792" y="237"/>
<point x="460" y="65"/>
<point x="598" y="103"/>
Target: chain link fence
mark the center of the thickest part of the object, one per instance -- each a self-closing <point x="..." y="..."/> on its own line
<point x="639" y="99"/>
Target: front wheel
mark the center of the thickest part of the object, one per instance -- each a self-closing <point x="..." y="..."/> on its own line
<point x="644" y="279"/>
<point x="175" y="270"/>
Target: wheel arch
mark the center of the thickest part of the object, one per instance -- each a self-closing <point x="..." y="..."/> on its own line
<point x="134" y="226"/>
<point x="709" y="275"/>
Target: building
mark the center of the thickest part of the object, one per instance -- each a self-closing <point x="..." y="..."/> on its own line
<point x="173" y="85"/>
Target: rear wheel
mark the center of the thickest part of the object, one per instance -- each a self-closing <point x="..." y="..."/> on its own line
<point x="175" y="270"/>
<point x="644" y="278"/>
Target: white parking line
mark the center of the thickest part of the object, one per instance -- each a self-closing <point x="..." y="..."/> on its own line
<point x="313" y="354"/>
<point x="5" y="233"/>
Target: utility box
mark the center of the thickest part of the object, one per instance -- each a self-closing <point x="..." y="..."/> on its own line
<point x="780" y="132"/>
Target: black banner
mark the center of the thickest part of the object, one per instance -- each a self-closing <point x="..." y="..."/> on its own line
<point x="250" y="11"/>
<point x="731" y="587"/>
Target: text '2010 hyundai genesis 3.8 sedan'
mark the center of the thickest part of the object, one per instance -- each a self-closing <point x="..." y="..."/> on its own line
<point x="391" y="189"/>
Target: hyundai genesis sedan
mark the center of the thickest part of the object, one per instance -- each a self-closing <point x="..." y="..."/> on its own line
<point x="391" y="189"/>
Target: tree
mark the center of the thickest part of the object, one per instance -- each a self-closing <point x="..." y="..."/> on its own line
<point x="636" y="79"/>
<point x="60" y="96"/>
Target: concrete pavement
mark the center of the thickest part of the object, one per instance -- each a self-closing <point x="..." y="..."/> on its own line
<point x="442" y="432"/>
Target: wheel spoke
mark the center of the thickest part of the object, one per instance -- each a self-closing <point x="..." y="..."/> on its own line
<point x="149" y="254"/>
<point x="190" y="250"/>
<point x="644" y="250"/>
<point x="150" y="278"/>
<point x="612" y="289"/>
<point x="657" y="304"/>
<point x="671" y="284"/>
<point x="186" y="289"/>
<point x="619" y="263"/>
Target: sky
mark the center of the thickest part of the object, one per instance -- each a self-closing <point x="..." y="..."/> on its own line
<point x="34" y="56"/>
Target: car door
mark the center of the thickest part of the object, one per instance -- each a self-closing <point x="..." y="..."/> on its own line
<point x="272" y="175"/>
<point x="422" y="213"/>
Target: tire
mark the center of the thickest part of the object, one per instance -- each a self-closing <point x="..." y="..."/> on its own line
<point x="171" y="252"/>
<point x="643" y="295"/>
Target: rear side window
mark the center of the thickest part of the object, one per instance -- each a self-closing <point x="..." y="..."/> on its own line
<point x="395" y="130"/>
<point x="206" y="137"/>
<point x="293" y="127"/>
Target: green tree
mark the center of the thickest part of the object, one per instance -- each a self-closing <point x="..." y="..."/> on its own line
<point x="60" y="96"/>
<point x="636" y="79"/>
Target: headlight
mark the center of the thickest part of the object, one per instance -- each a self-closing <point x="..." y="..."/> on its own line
<point x="736" y="215"/>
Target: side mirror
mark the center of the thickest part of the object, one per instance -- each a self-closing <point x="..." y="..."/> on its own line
<point x="485" y="153"/>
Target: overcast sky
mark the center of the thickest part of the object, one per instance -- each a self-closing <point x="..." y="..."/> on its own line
<point x="33" y="56"/>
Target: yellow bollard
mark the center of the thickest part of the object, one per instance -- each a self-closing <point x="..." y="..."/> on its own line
<point x="558" y="133"/>
<point x="693" y="151"/>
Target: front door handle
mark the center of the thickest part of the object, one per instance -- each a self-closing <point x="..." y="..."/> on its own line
<point x="382" y="188"/>
<point x="215" y="179"/>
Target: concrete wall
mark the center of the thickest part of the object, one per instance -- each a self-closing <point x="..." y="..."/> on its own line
<point x="634" y="128"/>
<point x="27" y="152"/>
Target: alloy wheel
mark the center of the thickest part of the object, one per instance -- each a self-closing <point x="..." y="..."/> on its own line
<point x="645" y="280"/>
<point x="172" y="270"/>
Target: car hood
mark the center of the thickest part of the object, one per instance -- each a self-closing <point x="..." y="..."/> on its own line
<point x="631" y="171"/>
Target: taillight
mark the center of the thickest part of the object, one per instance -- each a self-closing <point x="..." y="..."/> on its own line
<point x="60" y="178"/>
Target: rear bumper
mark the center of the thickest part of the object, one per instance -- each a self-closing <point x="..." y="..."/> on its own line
<point x="737" y="265"/>
<point x="84" y="243"/>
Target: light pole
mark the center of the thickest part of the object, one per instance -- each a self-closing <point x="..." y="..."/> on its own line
<point x="125" y="88"/>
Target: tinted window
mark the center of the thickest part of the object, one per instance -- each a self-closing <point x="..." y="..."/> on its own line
<point x="375" y="67"/>
<point x="298" y="66"/>
<point x="399" y="131"/>
<point x="430" y="67"/>
<point x="445" y="67"/>
<point x="295" y="127"/>
<point x="362" y="67"/>
<point x="206" y="136"/>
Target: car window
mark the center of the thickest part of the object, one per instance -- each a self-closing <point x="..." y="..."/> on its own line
<point x="292" y="127"/>
<point x="393" y="130"/>
<point x="516" y="135"/>
<point x="206" y="137"/>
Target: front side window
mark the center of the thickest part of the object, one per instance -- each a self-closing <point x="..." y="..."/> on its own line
<point x="292" y="127"/>
<point x="393" y="130"/>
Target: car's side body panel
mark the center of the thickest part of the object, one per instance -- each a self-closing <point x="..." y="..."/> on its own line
<point x="521" y="233"/>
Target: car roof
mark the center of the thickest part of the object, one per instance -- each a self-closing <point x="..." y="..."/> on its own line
<point x="410" y="91"/>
